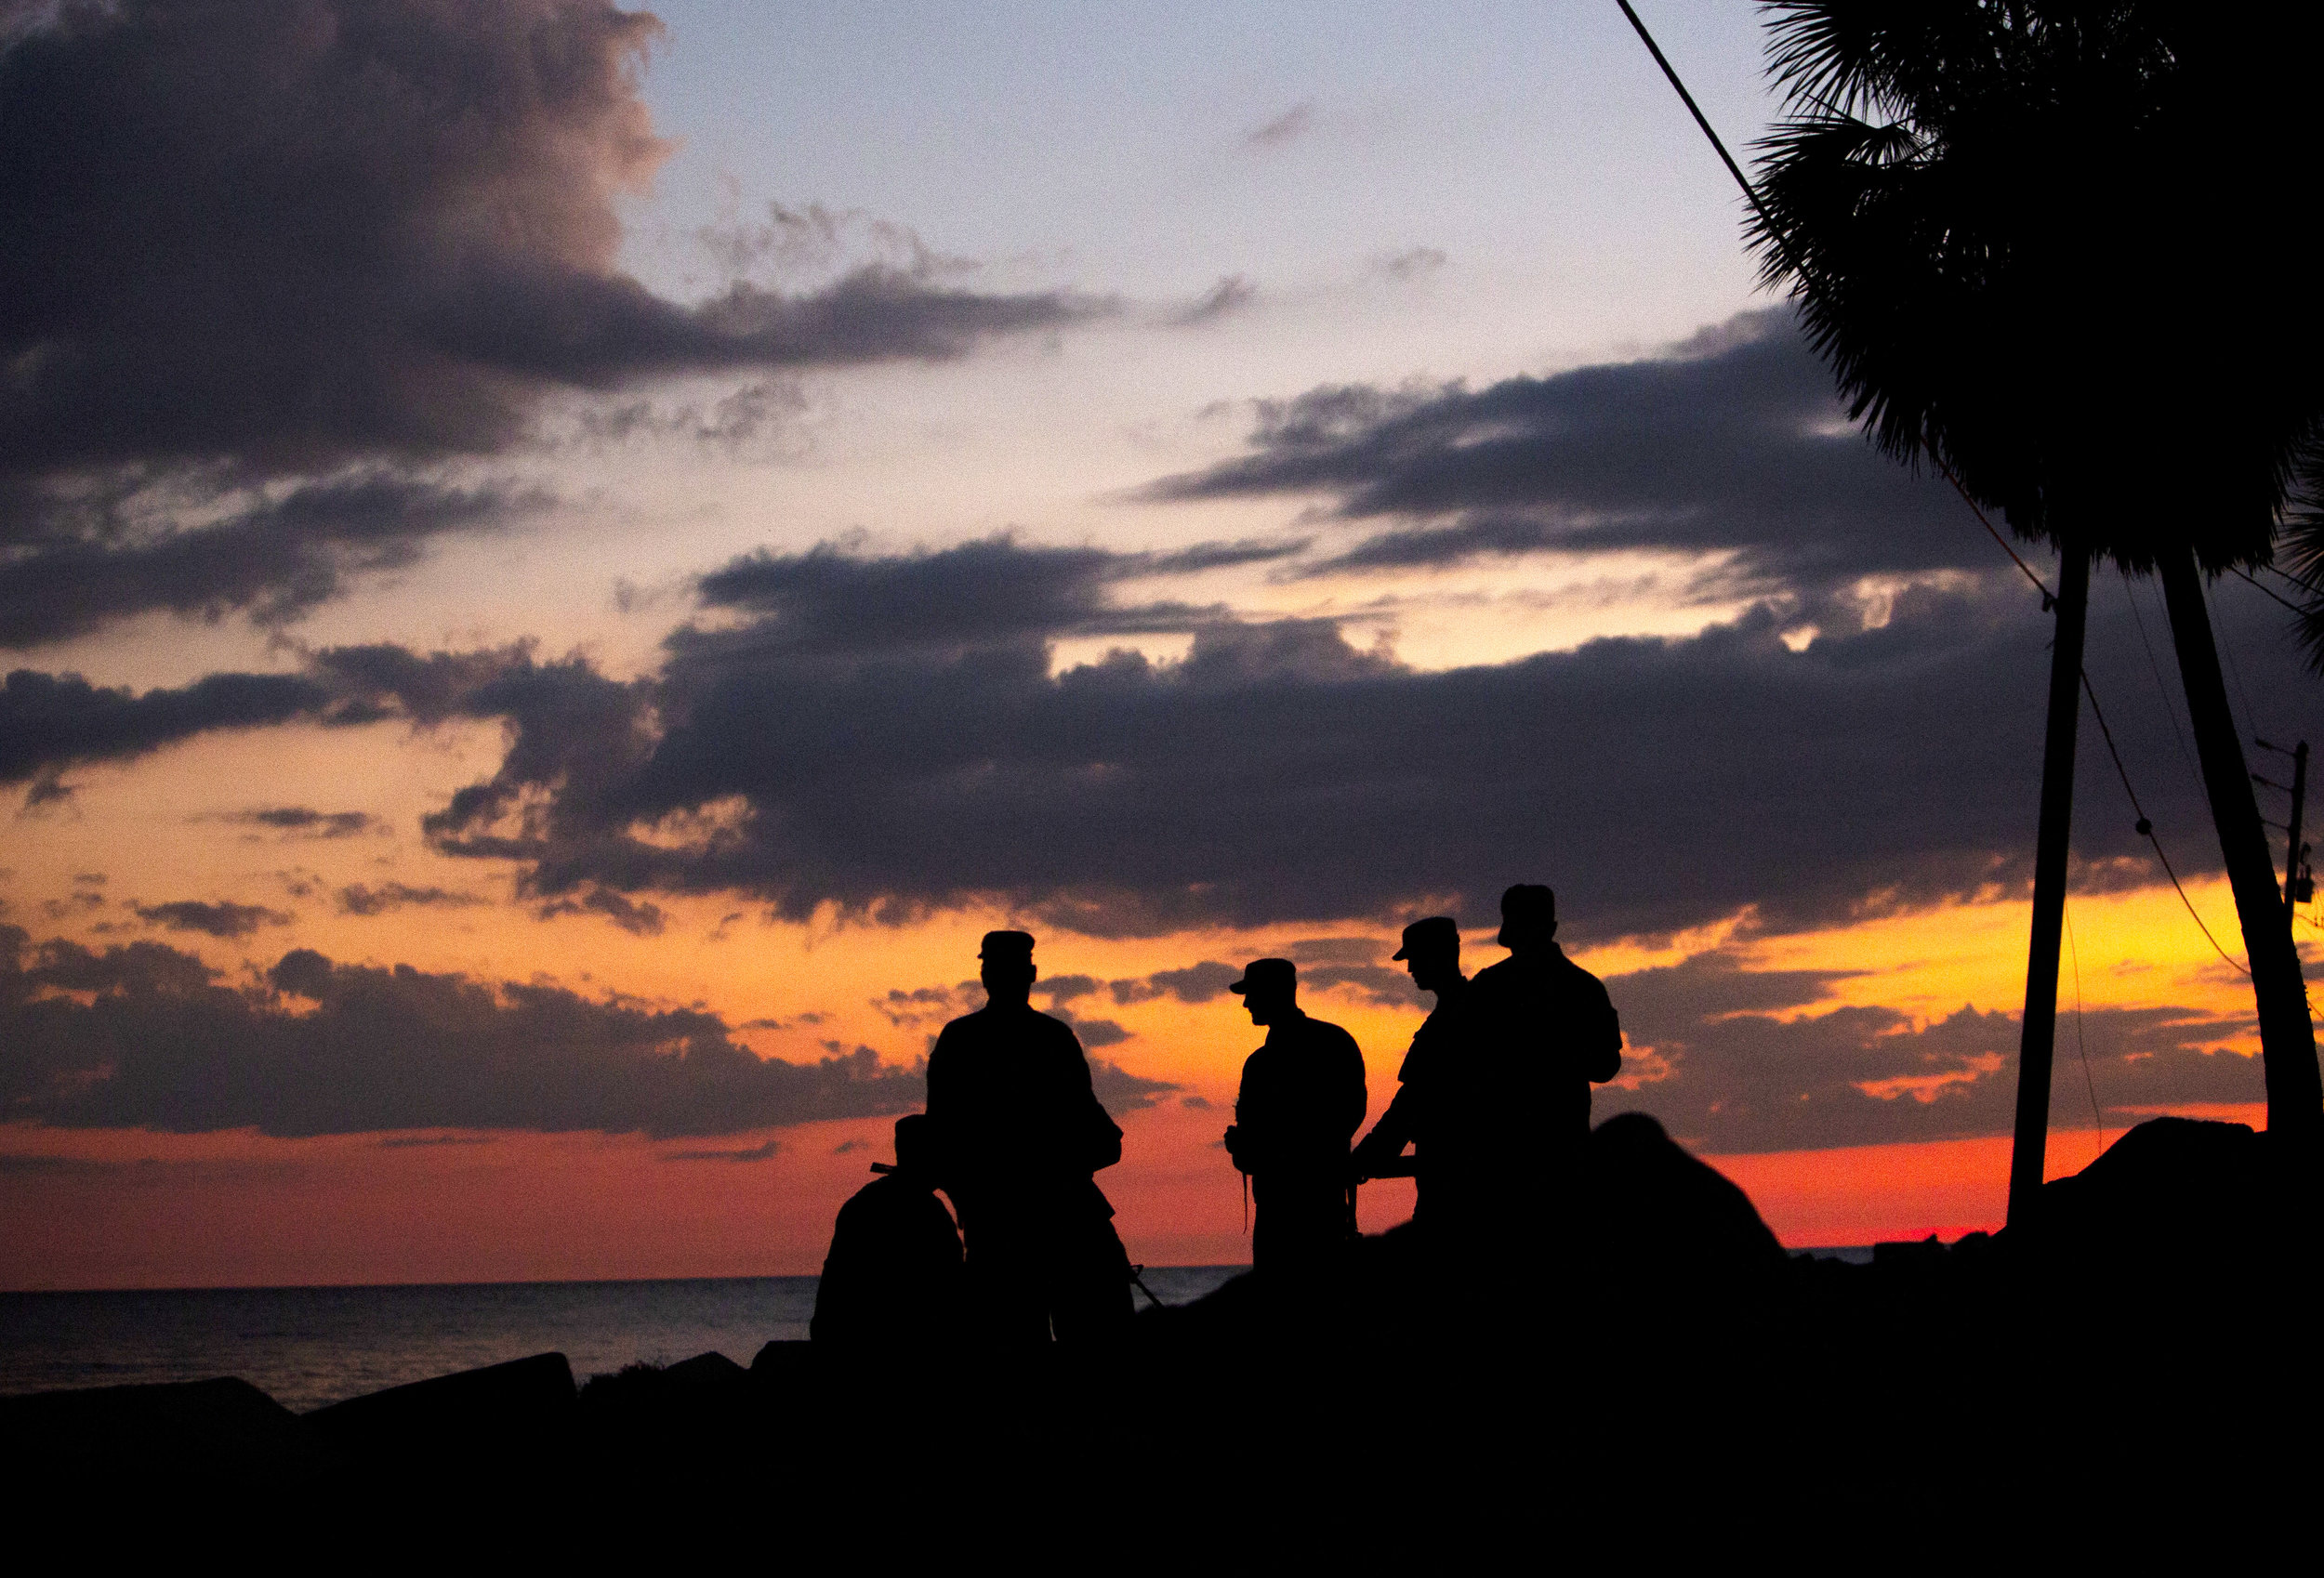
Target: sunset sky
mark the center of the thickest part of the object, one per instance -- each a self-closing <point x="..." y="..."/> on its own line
<point x="559" y="566"/>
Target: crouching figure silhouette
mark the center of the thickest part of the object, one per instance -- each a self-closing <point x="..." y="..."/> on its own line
<point x="894" y="1276"/>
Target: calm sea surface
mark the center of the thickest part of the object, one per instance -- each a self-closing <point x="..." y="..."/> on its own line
<point x="306" y="1347"/>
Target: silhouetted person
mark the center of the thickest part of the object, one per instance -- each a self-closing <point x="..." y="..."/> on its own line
<point x="1431" y="953"/>
<point x="1302" y="1101"/>
<point x="1541" y="1030"/>
<point x="894" y="1275"/>
<point x="1020" y="1133"/>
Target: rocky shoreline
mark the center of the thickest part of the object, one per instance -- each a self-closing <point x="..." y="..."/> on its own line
<point x="1675" y="1338"/>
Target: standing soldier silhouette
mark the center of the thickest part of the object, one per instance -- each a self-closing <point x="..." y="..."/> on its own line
<point x="1541" y="1031"/>
<point x="1432" y="953"/>
<point x="1302" y="1101"/>
<point x="1019" y="1132"/>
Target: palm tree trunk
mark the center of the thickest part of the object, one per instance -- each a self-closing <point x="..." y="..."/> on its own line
<point x="2037" y="1030"/>
<point x="2295" y="1098"/>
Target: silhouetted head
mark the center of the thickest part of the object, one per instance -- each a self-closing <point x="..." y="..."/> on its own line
<point x="1528" y="917"/>
<point x="1269" y="989"/>
<point x="914" y="1145"/>
<point x="1432" y="952"/>
<point x="1008" y="969"/>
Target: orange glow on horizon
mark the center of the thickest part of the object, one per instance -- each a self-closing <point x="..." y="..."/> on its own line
<point x="93" y="1209"/>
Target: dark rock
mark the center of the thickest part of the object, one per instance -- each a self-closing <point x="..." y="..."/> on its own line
<point x="707" y="1373"/>
<point x="507" y="1414"/>
<point x="1653" y="1212"/>
<point x="780" y="1356"/>
<point x="683" y="1419"/>
<point x="203" y="1431"/>
<point x="2180" y="1186"/>
<point x="1911" y="1252"/>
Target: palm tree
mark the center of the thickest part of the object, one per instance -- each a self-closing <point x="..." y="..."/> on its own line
<point x="2031" y="238"/>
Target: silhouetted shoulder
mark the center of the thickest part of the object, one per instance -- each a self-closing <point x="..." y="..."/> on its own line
<point x="1056" y="1031"/>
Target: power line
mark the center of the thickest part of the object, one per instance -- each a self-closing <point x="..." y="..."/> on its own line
<point x="2048" y="597"/>
<point x="2147" y="827"/>
<point x="2309" y="587"/>
<point x="1750" y="191"/>
<point x="2270" y="591"/>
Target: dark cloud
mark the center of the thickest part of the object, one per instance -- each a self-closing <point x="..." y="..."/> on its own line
<point x="52" y="721"/>
<point x="1290" y="126"/>
<point x="637" y="918"/>
<point x="1094" y="1032"/>
<point x="1195" y="983"/>
<point x="1742" y="1061"/>
<point x="1215" y="556"/>
<point x="281" y="239"/>
<point x="152" y="1172"/>
<point x="752" y="1153"/>
<point x="146" y="1036"/>
<point x="382" y="680"/>
<point x="220" y="919"/>
<point x="886" y="735"/>
<point x="358" y="899"/>
<point x="817" y="241"/>
<point x="733" y="421"/>
<point x="1376" y="984"/>
<point x="1120" y="1091"/>
<point x="273" y="560"/>
<point x="1325" y="964"/>
<point x="1334" y="950"/>
<point x="830" y="601"/>
<point x="1733" y="444"/>
<point x="303" y="822"/>
<point x="1413" y="263"/>
<point x="290" y="231"/>
<point x="930" y="1004"/>
<point x="833" y="602"/>
<point x="1230" y="296"/>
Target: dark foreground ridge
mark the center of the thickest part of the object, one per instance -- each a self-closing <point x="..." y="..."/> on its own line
<point x="1670" y="1360"/>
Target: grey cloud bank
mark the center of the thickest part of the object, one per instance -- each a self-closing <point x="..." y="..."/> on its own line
<point x="1733" y="443"/>
<point x="155" y="1040"/>
<point x="1747" y="1062"/>
<point x="145" y="1036"/>
<point x="289" y="238"/>
<point x="885" y="736"/>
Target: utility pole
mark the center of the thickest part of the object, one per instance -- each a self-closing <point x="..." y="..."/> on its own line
<point x="2299" y="887"/>
<point x="2029" y="1139"/>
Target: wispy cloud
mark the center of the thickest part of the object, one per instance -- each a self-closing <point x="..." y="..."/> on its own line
<point x="1285" y="128"/>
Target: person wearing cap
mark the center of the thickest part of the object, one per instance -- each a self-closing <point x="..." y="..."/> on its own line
<point x="1019" y="1132"/>
<point x="893" y="1277"/>
<point x="1302" y="1101"/>
<point x="1541" y="1030"/>
<point x="1430" y="953"/>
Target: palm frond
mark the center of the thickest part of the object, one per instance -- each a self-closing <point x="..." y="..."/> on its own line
<point x="2303" y="547"/>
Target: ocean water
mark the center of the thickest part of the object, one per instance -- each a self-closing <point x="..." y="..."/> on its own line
<point x="308" y="1347"/>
